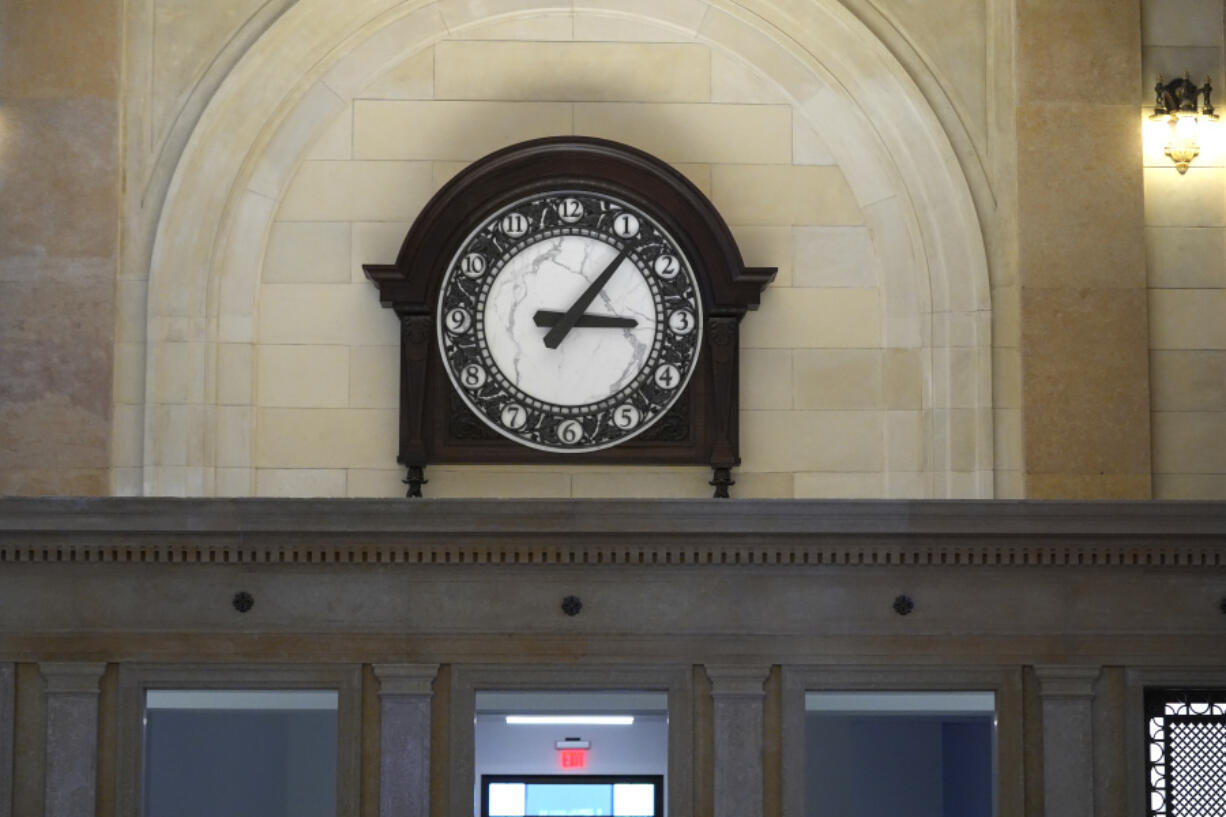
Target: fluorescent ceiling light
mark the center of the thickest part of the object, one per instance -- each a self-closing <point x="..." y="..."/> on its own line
<point x="570" y="720"/>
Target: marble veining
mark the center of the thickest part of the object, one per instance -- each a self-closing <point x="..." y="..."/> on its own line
<point x="591" y="362"/>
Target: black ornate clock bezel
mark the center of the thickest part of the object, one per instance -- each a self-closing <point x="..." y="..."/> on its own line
<point x="437" y="427"/>
<point x="476" y="271"/>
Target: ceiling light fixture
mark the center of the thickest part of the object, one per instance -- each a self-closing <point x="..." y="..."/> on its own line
<point x="570" y="720"/>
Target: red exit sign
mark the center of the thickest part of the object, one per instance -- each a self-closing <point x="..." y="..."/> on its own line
<point x="573" y="758"/>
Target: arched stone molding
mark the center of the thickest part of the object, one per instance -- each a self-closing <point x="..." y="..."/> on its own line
<point x="898" y="161"/>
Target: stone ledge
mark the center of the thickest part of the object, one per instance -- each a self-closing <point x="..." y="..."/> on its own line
<point x="615" y="532"/>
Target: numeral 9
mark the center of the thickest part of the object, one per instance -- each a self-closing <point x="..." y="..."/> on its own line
<point x="458" y="321"/>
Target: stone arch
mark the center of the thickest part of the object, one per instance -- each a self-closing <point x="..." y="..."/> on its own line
<point x="204" y="275"/>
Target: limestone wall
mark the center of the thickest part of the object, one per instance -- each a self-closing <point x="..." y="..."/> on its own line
<point x="271" y="370"/>
<point x="1185" y="219"/>
<point x="59" y="135"/>
<point x="821" y="393"/>
<point x="149" y="324"/>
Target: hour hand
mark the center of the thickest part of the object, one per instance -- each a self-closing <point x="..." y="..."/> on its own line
<point x="547" y="318"/>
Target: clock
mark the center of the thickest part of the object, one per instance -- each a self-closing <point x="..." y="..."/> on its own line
<point x="569" y="300"/>
<point x="569" y="321"/>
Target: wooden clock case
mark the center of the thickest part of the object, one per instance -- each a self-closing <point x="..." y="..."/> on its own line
<point x="436" y="426"/>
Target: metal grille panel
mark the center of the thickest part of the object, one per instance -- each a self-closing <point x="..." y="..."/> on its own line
<point x="1186" y="752"/>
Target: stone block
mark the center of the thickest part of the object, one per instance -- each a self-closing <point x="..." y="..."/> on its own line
<point x="1181" y="23"/>
<point x="1006" y="317"/>
<point x="783" y="194"/>
<point x="1085" y="382"/>
<point x="382" y="483"/>
<point x="1190" y="486"/>
<point x="692" y="132"/>
<point x="1006" y="378"/>
<point x="235" y="363"/>
<point x="1173" y="60"/>
<point x="555" y="71"/>
<point x="357" y="191"/>
<point x="302" y="376"/>
<point x="374" y="376"/>
<point x="127" y="435"/>
<point x="761" y="486"/>
<point x="765" y="246"/>
<point x="1189" y="442"/>
<point x="762" y="51"/>
<point x="641" y="483"/>
<point x="326" y="438"/>
<point x="549" y="26"/>
<point x="596" y="26"/>
<point x="834" y="257"/>
<point x="808" y="146"/>
<point x="325" y="314"/>
<point x="814" y="318"/>
<point x="43" y="57"/>
<point x="1194" y="199"/>
<point x="1007" y="439"/>
<point x="681" y="16"/>
<point x="905" y="440"/>
<point x="1087" y="486"/>
<point x="307" y="252"/>
<point x="1096" y="41"/>
<point x="1192" y="380"/>
<point x="234" y="428"/>
<point x="1186" y="257"/>
<point x="840" y="486"/>
<point x="1080" y="208"/>
<point x="837" y="378"/>
<point x="300" y="482"/>
<point x="735" y="81"/>
<point x="336" y="140"/>
<point x="129" y="373"/>
<point x="902" y="378"/>
<point x="803" y="441"/>
<point x="59" y="177"/>
<point x="374" y="243"/>
<point x="766" y="379"/>
<point x="475" y="482"/>
<point x="412" y="78"/>
<point x="1187" y="318"/>
<point x="175" y="369"/>
<point x="130" y="316"/>
<point x="452" y="130"/>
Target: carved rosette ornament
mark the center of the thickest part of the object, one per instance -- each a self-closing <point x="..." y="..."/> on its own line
<point x="569" y="300"/>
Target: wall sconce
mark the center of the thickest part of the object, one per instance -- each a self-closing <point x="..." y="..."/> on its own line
<point x="1176" y="103"/>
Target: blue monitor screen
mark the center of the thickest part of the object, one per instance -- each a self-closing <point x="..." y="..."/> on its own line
<point x="571" y="796"/>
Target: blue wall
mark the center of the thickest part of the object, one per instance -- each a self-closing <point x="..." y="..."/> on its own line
<point x="890" y="765"/>
<point x="205" y="763"/>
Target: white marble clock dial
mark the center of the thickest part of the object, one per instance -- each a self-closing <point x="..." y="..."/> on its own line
<point x="593" y="362"/>
<point x="569" y="321"/>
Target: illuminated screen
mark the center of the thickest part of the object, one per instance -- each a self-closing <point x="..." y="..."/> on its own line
<point x="571" y="796"/>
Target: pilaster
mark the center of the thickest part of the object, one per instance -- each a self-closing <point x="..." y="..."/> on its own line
<point x="737" y="695"/>
<point x="72" y="738"/>
<point x="405" y="691"/>
<point x="1067" y="693"/>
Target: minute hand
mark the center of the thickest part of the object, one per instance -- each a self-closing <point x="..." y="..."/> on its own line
<point x="568" y="320"/>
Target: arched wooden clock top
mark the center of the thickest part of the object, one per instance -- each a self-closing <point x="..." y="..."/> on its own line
<point x="569" y="299"/>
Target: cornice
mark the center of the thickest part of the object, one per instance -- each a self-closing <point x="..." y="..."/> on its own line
<point x="786" y="533"/>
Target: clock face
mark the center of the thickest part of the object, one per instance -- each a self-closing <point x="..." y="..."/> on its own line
<point x="569" y="321"/>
